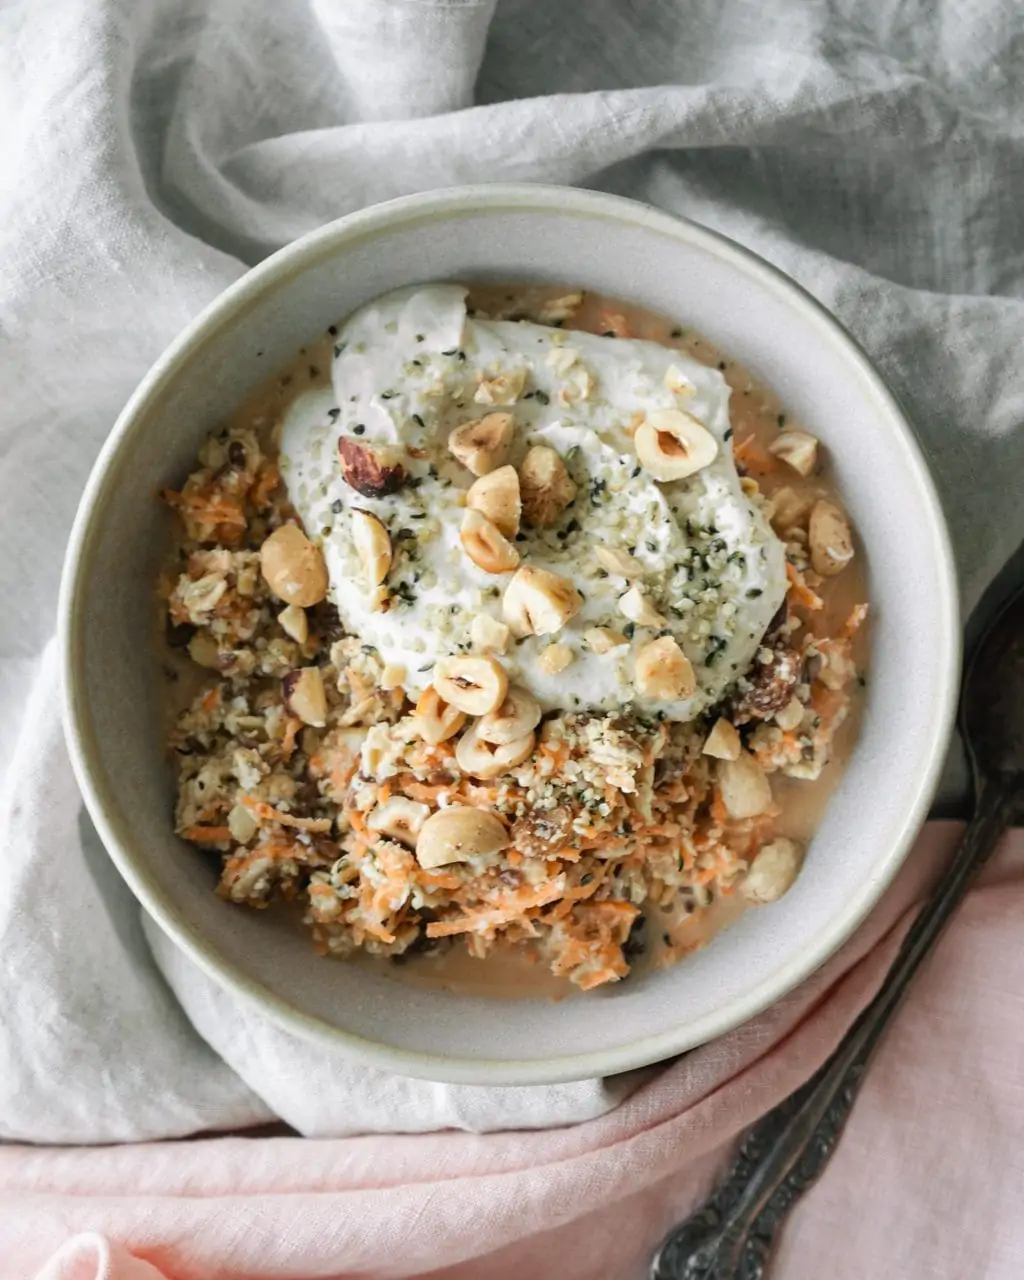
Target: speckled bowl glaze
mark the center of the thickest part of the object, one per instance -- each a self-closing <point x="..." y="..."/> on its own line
<point x="113" y="686"/>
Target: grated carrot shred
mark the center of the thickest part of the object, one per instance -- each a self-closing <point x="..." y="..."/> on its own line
<point x="207" y="835"/>
<point x="799" y="590"/>
<point x="264" y="812"/>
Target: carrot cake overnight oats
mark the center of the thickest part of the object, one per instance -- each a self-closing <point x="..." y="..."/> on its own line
<point x="528" y="625"/>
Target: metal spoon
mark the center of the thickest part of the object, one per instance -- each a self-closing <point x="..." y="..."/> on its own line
<point x="732" y="1236"/>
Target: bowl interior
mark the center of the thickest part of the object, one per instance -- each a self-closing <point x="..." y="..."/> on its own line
<point x="116" y="702"/>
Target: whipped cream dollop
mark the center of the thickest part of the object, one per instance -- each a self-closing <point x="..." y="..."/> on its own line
<point x="409" y="368"/>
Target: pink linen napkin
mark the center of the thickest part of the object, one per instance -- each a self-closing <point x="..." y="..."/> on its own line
<point x="926" y="1182"/>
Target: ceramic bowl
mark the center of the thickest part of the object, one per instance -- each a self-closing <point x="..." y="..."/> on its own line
<point x="111" y="661"/>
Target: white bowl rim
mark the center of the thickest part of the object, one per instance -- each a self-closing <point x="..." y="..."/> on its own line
<point x="115" y="830"/>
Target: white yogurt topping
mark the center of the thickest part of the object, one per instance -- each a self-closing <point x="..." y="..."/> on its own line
<point x="406" y="370"/>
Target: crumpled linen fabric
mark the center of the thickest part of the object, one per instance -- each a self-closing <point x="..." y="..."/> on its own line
<point x="153" y="149"/>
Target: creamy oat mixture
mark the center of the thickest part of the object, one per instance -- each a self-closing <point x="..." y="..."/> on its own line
<point x="526" y="619"/>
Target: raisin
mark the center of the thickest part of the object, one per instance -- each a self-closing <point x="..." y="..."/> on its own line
<point x="772" y="685"/>
<point x="543" y="832"/>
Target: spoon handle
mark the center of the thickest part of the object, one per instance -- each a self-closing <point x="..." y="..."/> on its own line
<point x="731" y="1237"/>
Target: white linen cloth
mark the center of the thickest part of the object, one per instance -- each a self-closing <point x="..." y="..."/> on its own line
<point x="151" y="150"/>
